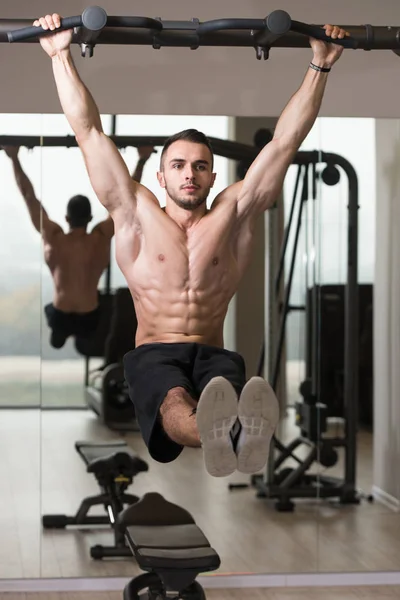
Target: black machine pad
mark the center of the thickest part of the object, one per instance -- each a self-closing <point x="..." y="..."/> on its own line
<point x="113" y="458"/>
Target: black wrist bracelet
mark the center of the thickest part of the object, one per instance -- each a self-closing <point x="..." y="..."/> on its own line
<point x="320" y="69"/>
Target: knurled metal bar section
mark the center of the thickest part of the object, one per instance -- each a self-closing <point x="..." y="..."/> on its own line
<point x="277" y="30"/>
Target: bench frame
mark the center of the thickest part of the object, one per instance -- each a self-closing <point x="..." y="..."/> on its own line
<point x="149" y="528"/>
<point x="113" y="497"/>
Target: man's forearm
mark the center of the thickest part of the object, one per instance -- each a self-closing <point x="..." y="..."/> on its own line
<point x="300" y="114"/>
<point x="76" y="101"/>
<point x="24" y="184"/>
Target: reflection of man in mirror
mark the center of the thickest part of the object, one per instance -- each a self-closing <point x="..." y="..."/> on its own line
<point x="76" y="259"/>
<point x="184" y="265"/>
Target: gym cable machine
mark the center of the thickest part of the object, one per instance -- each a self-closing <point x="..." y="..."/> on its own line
<point x="285" y="484"/>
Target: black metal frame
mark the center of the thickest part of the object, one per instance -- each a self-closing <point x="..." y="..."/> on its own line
<point x="297" y="483"/>
<point x="226" y="148"/>
<point x="114" y="498"/>
<point x="152" y="585"/>
<point x="94" y="26"/>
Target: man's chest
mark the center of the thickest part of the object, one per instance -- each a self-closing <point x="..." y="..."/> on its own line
<point x="165" y="255"/>
<point x="190" y="264"/>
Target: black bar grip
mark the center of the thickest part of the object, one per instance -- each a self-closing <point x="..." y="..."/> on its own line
<point x="93" y="18"/>
<point x="319" y="34"/>
<point x="31" y="32"/>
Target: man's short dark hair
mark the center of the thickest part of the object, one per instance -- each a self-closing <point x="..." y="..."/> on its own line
<point x="79" y="211"/>
<point x="188" y="135"/>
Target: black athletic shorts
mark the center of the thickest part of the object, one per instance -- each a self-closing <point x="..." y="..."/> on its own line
<point x="70" y="323"/>
<point x="151" y="370"/>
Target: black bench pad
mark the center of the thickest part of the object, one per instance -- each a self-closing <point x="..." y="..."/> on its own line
<point x="197" y="559"/>
<point x="168" y="536"/>
<point x="110" y="458"/>
<point x="174" y="542"/>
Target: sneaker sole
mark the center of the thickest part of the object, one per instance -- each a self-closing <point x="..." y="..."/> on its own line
<point x="258" y="413"/>
<point x="217" y="411"/>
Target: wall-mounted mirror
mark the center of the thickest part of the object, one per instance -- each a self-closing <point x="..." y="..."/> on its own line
<point x="20" y="356"/>
<point x="84" y="400"/>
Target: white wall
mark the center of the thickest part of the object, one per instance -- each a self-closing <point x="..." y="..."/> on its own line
<point x="387" y="311"/>
<point x="225" y="81"/>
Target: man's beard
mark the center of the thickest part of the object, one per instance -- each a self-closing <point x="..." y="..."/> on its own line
<point x="188" y="203"/>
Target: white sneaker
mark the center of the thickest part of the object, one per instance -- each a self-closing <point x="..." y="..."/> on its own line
<point x="258" y="412"/>
<point x="217" y="411"/>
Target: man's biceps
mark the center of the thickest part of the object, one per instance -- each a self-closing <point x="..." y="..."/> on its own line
<point x="104" y="183"/>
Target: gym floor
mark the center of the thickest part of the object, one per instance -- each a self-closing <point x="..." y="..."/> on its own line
<point x="41" y="473"/>
<point x="378" y="593"/>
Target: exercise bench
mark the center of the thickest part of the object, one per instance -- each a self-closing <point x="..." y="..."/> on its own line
<point x="167" y="543"/>
<point x="114" y="466"/>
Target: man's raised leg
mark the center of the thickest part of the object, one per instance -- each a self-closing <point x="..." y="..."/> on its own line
<point x="178" y="418"/>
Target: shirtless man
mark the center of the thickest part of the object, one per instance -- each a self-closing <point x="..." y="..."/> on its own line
<point x="76" y="259"/>
<point x="184" y="265"/>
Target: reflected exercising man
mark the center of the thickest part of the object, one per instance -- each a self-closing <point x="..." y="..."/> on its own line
<point x="184" y="265"/>
<point x="76" y="259"/>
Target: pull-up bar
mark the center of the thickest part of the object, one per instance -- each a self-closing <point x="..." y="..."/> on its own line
<point x="226" y="148"/>
<point x="277" y="30"/>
